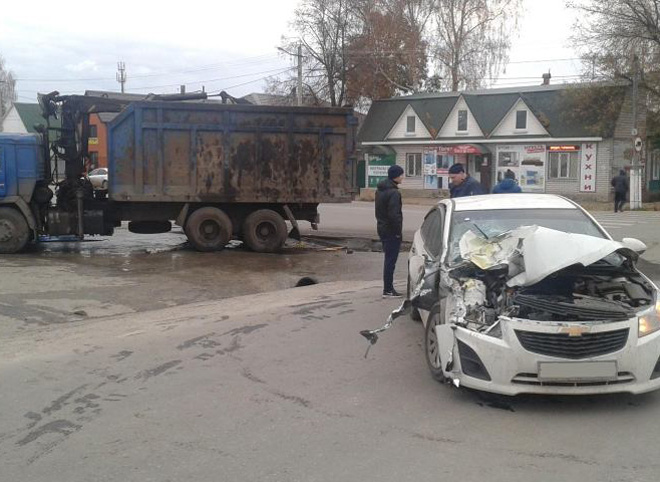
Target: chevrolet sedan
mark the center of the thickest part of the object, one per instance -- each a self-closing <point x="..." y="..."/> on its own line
<point x="527" y="293"/>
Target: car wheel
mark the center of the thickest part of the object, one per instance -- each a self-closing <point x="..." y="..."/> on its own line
<point x="431" y="345"/>
<point x="104" y="185"/>
<point x="414" y="312"/>
<point x="208" y="229"/>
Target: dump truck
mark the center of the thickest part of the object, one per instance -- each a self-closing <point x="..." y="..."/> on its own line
<point x="220" y="171"/>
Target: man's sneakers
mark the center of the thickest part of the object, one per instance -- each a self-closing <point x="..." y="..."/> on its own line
<point x="392" y="294"/>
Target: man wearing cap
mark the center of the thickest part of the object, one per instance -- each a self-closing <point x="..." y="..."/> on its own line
<point x="462" y="184"/>
<point x="390" y="225"/>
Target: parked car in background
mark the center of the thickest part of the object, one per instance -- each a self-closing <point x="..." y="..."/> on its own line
<point x="99" y="178"/>
<point x="527" y="293"/>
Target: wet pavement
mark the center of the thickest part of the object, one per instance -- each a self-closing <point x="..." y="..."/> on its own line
<point x="58" y="283"/>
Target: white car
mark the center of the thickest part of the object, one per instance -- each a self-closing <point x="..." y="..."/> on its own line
<point x="527" y="293"/>
<point x="99" y="178"/>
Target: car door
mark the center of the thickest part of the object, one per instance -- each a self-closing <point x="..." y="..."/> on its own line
<point x="426" y="249"/>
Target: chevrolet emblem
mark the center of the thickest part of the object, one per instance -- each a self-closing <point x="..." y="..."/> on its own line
<point x="576" y="330"/>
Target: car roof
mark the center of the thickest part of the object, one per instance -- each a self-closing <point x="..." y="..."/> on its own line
<point x="512" y="201"/>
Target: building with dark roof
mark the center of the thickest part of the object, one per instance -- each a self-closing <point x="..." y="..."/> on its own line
<point x="551" y="143"/>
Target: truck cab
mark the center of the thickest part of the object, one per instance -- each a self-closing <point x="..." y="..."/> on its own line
<point x="22" y="166"/>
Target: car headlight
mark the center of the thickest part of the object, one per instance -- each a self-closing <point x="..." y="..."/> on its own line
<point x="649" y="321"/>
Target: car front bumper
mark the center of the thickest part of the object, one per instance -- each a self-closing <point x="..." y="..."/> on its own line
<point x="504" y="366"/>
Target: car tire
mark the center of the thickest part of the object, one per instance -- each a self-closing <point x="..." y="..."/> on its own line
<point x="414" y="312"/>
<point x="14" y="231"/>
<point x="431" y="347"/>
<point x="208" y="229"/>
<point x="264" y="231"/>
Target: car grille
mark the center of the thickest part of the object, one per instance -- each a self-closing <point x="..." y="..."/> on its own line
<point x="562" y="345"/>
<point x="533" y="379"/>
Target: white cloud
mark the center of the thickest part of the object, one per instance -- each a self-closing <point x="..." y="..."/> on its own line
<point x="84" y="66"/>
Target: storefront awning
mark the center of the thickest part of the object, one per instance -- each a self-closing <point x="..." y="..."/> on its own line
<point x="454" y="149"/>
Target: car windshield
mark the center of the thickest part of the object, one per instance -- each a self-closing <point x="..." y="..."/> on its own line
<point x="489" y="223"/>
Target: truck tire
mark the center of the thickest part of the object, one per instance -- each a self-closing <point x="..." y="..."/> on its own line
<point x="14" y="231"/>
<point x="208" y="229"/>
<point x="264" y="231"/>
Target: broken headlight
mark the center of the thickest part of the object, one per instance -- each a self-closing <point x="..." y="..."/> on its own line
<point x="649" y="321"/>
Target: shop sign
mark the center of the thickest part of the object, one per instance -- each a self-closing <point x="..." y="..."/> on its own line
<point x="377" y="171"/>
<point x="377" y="167"/>
<point x="563" y="148"/>
<point x="93" y="141"/>
<point x="588" y="168"/>
<point x="458" y="149"/>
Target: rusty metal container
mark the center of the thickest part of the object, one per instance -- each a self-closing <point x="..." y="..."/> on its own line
<point x="217" y="153"/>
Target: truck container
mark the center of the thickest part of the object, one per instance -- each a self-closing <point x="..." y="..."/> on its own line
<point x="218" y="170"/>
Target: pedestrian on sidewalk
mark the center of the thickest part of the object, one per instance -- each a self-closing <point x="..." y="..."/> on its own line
<point x="621" y="187"/>
<point x="462" y="184"/>
<point x="390" y="225"/>
<point x="508" y="184"/>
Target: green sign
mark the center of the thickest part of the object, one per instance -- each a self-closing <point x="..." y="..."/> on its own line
<point x="377" y="168"/>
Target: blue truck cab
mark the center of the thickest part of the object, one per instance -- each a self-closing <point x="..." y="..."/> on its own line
<point x="22" y="165"/>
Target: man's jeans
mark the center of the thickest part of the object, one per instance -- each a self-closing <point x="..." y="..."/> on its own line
<point x="619" y="201"/>
<point x="391" y="246"/>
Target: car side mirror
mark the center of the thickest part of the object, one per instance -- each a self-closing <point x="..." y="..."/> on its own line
<point x="635" y="245"/>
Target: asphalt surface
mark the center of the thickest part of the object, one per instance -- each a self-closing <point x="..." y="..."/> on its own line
<point x="275" y="387"/>
<point x="135" y="358"/>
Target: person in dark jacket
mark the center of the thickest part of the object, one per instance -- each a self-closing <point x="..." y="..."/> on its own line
<point x="390" y="225"/>
<point x="462" y="184"/>
<point x="621" y="187"/>
<point x="508" y="184"/>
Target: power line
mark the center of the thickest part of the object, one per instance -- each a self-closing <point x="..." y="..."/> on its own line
<point x="245" y="61"/>
<point x="252" y="81"/>
<point x="212" y="80"/>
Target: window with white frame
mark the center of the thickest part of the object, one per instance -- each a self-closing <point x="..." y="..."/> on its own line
<point x="410" y="124"/>
<point x="414" y="164"/>
<point x="564" y="165"/>
<point x="462" y="120"/>
<point x="521" y="119"/>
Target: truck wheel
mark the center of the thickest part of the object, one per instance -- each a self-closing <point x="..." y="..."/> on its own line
<point x="264" y="231"/>
<point x="208" y="229"/>
<point x="14" y="231"/>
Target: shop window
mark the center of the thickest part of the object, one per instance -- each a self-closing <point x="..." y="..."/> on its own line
<point x="93" y="160"/>
<point x="521" y="119"/>
<point x="93" y="131"/>
<point x="462" y="120"/>
<point x="564" y="165"/>
<point x="414" y="164"/>
<point x="508" y="159"/>
<point x="410" y="124"/>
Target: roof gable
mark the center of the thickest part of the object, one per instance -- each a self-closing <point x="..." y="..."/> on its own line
<point x="507" y="126"/>
<point x="400" y="127"/>
<point x="489" y="110"/>
<point x="450" y="126"/>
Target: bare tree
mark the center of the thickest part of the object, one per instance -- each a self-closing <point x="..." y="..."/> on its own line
<point x="325" y="27"/>
<point x="473" y="39"/>
<point x="617" y="37"/>
<point x="7" y="88"/>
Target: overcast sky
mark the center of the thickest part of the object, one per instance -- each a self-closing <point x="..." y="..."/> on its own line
<point x="228" y="45"/>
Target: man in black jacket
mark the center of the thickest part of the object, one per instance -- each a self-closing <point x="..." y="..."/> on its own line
<point x="390" y="225"/>
<point x="621" y="188"/>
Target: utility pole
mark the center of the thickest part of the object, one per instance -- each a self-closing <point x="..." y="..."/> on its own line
<point x="121" y="74"/>
<point x="299" y="56"/>
<point x="636" y="170"/>
<point x="299" y="89"/>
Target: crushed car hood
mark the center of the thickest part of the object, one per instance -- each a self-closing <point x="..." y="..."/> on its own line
<point x="534" y="252"/>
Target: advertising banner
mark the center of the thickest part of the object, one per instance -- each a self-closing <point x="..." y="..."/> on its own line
<point x="588" y="167"/>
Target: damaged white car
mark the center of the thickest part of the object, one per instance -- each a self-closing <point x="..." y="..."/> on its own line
<point x="527" y="293"/>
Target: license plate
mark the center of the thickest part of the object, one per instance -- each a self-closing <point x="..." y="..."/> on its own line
<point x="596" y="370"/>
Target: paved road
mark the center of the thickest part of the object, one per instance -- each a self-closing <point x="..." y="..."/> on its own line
<point x="274" y="387"/>
<point x="358" y="219"/>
